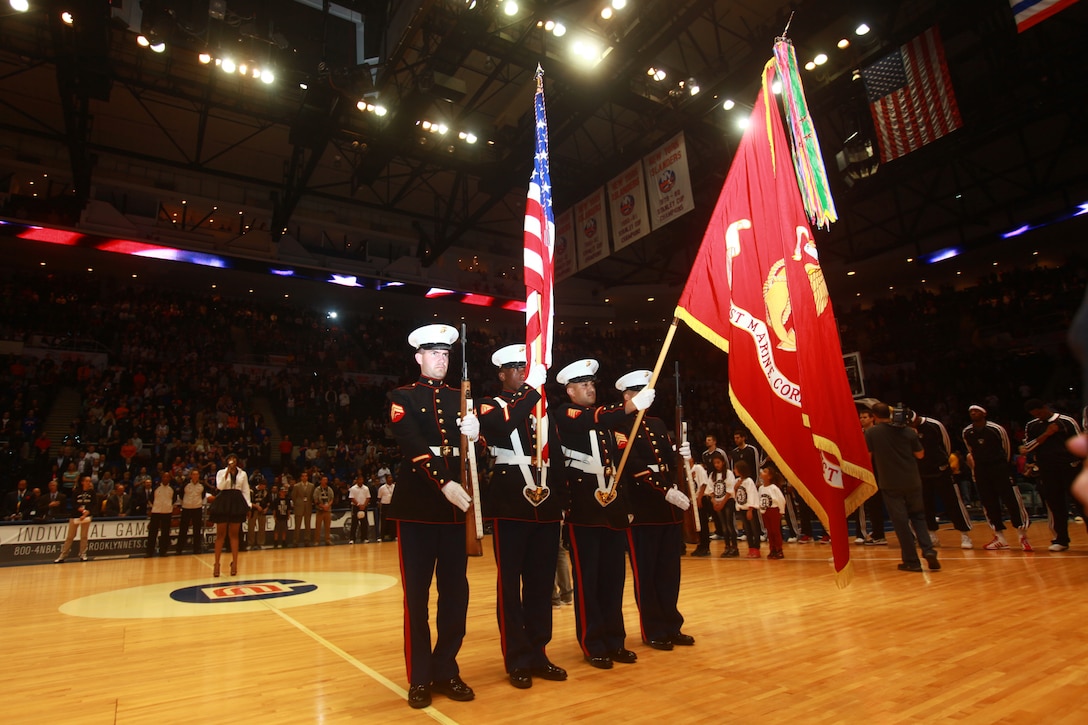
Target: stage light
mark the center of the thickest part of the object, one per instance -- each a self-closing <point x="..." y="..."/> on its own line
<point x="303" y="86"/>
<point x="606" y="13"/>
<point x="619" y="4"/>
<point x="820" y="58"/>
<point x="228" y="65"/>
<point x="204" y="58"/>
<point x="158" y="47"/>
<point x="510" y="8"/>
<point x="267" y="76"/>
<point x="549" y="25"/>
<point x="243" y="69"/>
<point x="19" y="6"/>
<point x="380" y="110"/>
<point x="811" y="65"/>
<point x="844" y="43"/>
<point x="142" y="41"/>
<point x="862" y="29"/>
<point x="560" y="30"/>
<point x="728" y="104"/>
<point x="742" y="122"/>
<point x="66" y="18"/>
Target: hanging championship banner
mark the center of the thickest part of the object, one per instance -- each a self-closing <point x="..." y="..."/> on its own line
<point x="627" y="207"/>
<point x="669" y="182"/>
<point x="592" y="229"/>
<point x="564" y="245"/>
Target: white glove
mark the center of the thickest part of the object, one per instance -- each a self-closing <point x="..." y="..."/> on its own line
<point x="470" y="426"/>
<point x="456" y="495"/>
<point x="537" y="376"/>
<point x="644" y="398"/>
<point x="677" y="499"/>
<point x="685" y="450"/>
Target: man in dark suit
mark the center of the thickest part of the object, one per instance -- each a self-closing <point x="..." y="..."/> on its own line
<point x="53" y="504"/>
<point x="19" y="503"/>
<point x="118" y="502"/>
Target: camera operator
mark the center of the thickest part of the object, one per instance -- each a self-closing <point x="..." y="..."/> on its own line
<point x="895" y="449"/>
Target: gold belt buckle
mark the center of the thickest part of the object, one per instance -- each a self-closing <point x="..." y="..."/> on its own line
<point x="446" y="451"/>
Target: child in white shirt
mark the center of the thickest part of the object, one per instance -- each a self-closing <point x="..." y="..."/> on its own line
<point x="771" y="503"/>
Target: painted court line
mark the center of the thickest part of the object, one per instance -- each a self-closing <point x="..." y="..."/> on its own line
<point x="372" y="674"/>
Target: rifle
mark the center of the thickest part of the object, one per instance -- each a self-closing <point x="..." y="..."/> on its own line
<point x="474" y="523"/>
<point x="685" y="478"/>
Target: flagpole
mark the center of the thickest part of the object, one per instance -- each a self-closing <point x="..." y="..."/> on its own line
<point x="638" y="416"/>
<point x="537" y="359"/>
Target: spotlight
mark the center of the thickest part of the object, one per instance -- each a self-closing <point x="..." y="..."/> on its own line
<point x="811" y="65"/>
<point x="728" y="104"/>
<point x="204" y="58"/>
<point x="142" y="41"/>
<point x="862" y="29"/>
<point x="381" y="110"/>
<point x="560" y="30"/>
<point x="243" y="69"/>
<point x="742" y="122"/>
<point x="844" y="44"/>
<point x="228" y="65"/>
<point x="471" y="137"/>
<point x="606" y="13"/>
<point x="158" y="47"/>
<point x="19" y="6"/>
<point x="820" y="58"/>
<point x="267" y="76"/>
<point x="549" y="25"/>
<point x="619" y="4"/>
<point x="510" y="8"/>
<point x="304" y="87"/>
<point x="66" y="18"/>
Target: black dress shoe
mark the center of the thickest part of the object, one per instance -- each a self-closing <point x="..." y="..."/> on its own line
<point x="684" y="640"/>
<point x="662" y="644"/>
<point x="701" y="552"/>
<point x="419" y="696"/>
<point x="521" y="679"/>
<point x="910" y="567"/>
<point x="549" y="672"/>
<point x="453" y="688"/>
<point x="601" y="663"/>
<point x="931" y="560"/>
<point x="625" y="656"/>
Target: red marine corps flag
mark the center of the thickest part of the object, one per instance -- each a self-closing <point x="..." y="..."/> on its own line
<point x="757" y="291"/>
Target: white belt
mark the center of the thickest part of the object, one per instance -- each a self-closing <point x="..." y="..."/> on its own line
<point x="453" y="451"/>
<point x="515" y="456"/>
<point x="507" y="457"/>
<point x="583" y="461"/>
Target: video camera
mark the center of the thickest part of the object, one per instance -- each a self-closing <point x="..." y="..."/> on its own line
<point x="901" y="415"/>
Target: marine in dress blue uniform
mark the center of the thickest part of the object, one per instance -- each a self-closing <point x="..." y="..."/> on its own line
<point x="597" y="532"/>
<point x="655" y="539"/>
<point x="428" y="507"/>
<point x="526" y="513"/>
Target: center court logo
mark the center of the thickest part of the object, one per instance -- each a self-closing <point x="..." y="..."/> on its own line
<point x="242" y="591"/>
<point x="207" y="597"/>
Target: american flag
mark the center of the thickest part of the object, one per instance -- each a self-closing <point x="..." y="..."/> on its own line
<point x="910" y="96"/>
<point x="539" y="249"/>
<point x="1031" y="12"/>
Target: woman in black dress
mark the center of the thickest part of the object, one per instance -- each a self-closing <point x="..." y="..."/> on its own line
<point x="229" y="509"/>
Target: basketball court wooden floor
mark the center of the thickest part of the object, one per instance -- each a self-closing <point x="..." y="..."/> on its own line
<point x="994" y="637"/>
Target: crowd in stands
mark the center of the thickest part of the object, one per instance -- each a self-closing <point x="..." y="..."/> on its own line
<point x="186" y="378"/>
